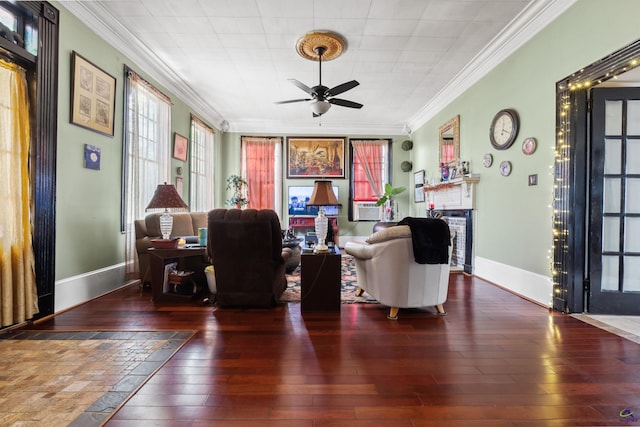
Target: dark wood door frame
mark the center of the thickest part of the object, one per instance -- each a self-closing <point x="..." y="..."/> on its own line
<point x="43" y="72"/>
<point x="571" y="190"/>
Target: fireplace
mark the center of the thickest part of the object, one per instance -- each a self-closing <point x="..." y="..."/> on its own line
<point x="456" y="201"/>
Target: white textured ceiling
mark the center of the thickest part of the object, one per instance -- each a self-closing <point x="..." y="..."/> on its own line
<point x="231" y="59"/>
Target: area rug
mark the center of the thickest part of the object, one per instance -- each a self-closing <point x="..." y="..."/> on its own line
<point x="349" y="285"/>
<point x="76" y="378"/>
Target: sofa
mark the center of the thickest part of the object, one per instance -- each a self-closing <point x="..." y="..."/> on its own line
<point x="245" y="248"/>
<point x="388" y="269"/>
<point x="147" y="229"/>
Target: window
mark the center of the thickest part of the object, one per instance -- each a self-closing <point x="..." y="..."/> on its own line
<point x="370" y="171"/>
<point x="146" y="153"/>
<point x="202" y="163"/>
<point x="262" y="169"/>
<point x="21" y="28"/>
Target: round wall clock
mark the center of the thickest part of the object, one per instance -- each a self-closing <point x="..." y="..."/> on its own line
<point x="504" y="129"/>
<point x="505" y="168"/>
<point x="529" y="146"/>
<point x="487" y="160"/>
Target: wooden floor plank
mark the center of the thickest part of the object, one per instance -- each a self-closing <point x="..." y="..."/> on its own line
<point x="495" y="360"/>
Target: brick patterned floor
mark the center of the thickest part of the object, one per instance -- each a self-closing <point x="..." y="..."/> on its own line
<point x="76" y="378"/>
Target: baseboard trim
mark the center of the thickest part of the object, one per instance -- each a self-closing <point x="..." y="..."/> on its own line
<point x="79" y="289"/>
<point x="531" y="286"/>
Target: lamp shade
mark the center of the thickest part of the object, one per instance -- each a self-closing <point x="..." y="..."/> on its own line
<point x="320" y="107"/>
<point x="323" y="194"/>
<point x="167" y="197"/>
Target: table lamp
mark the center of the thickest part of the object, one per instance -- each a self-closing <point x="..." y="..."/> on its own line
<point x="166" y="197"/>
<point x="322" y="196"/>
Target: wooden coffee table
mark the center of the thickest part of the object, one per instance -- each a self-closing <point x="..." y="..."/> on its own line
<point x="320" y="281"/>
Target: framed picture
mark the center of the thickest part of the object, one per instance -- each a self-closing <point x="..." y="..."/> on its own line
<point x="93" y="96"/>
<point x="315" y="157"/>
<point x="179" y="185"/>
<point x="91" y="157"/>
<point x="418" y="184"/>
<point x="180" y="145"/>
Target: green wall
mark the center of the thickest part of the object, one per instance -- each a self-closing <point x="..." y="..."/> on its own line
<point x="88" y="202"/>
<point x="231" y="148"/>
<point x="514" y="220"/>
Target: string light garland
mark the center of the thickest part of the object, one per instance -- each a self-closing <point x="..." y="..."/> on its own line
<point x="568" y="92"/>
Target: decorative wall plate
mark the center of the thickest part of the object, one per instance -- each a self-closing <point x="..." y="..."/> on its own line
<point x="487" y="160"/>
<point x="505" y="168"/>
<point x="529" y="146"/>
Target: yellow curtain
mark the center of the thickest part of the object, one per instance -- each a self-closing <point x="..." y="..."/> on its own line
<point x="18" y="293"/>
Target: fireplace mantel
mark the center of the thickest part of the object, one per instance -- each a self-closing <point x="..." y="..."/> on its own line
<point x="453" y="195"/>
<point x="456" y="201"/>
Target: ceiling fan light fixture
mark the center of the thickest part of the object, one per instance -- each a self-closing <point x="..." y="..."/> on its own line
<point x="320" y="107"/>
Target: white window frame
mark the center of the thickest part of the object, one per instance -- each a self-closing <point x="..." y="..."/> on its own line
<point x="202" y="163"/>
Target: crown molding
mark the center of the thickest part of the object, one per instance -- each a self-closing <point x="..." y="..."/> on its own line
<point x="106" y="26"/>
<point x="535" y="17"/>
<point x="317" y="128"/>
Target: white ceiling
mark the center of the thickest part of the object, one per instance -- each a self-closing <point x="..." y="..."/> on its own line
<point x="231" y="59"/>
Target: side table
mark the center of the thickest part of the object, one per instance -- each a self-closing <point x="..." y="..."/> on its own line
<point x="320" y="281"/>
<point x="158" y="258"/>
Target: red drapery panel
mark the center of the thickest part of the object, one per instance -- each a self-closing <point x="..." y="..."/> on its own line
<point x="260" y="160"/>
<point x="367" y="169"/>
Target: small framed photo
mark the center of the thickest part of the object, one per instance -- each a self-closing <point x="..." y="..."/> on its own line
<point x="91" y="157"/>
<point x="418" y="178"/>
<point x="419" y="194"/>
<point x="180" y="146"/>
<point x="533" y="179"/>
<point x="179" y="185"/>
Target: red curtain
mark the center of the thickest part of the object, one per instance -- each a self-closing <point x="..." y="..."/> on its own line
<point x="259" y="165"/>
<point x="367" y="170"/>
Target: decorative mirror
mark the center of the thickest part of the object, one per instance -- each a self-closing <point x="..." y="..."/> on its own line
<point x="449" y="141"/>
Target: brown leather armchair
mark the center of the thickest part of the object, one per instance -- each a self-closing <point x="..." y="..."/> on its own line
<point x="245" y="247"/>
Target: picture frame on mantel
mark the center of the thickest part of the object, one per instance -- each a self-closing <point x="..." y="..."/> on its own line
<point x="93" y="96"/>
<point x="418" y="184"/>
<point x="315" y="157"/>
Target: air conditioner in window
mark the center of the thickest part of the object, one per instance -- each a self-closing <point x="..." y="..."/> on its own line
<point x="366" y="211"/>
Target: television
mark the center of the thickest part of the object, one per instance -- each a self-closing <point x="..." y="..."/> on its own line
<point x="299" y="195"/>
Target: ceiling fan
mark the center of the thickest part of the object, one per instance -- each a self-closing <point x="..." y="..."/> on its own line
<point x="322" y="96"/>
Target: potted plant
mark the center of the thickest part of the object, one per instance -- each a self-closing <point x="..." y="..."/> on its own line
<point x="387" y="199"/>
<point x="237" y="184"/>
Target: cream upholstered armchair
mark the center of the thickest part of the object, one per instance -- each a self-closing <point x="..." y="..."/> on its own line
<point x="387" y="269"/>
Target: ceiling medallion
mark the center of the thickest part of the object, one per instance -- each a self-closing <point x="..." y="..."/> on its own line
<point x="334" y="44"/>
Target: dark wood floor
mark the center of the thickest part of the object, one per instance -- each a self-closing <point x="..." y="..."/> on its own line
<point x="495" y="360"/>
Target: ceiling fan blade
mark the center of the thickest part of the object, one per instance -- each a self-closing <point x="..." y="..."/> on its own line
<point x="342" y="88"/>
<point x="302" y="86"/>
<point x="293" y="100"/>
<point x="344" y="103"/>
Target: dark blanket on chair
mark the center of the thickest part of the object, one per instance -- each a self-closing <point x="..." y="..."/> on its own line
<point x="430" y="238"/>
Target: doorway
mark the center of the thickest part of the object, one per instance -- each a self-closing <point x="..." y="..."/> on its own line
<point x="595" y="264"/>
<point x="614" y="202"/>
